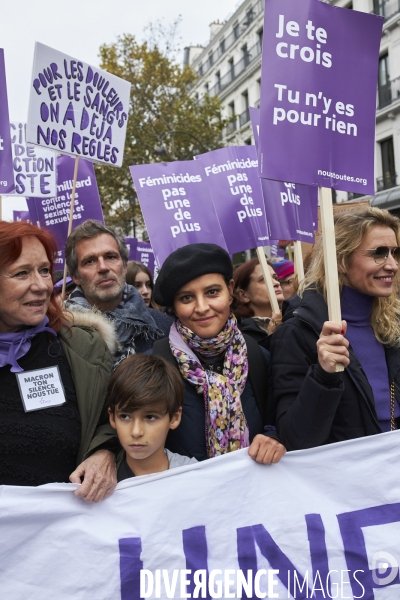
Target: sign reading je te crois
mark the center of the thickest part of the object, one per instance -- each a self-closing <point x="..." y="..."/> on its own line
<point x="77" y="109"/>
<point x="318" y="95"/>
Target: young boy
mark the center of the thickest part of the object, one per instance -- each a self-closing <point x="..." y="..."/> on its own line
<point x="145" y="401"/>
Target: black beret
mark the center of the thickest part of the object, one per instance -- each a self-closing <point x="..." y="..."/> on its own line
<point x="187" y="263"/>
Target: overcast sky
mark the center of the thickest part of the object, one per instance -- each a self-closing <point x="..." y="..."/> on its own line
<point x="79" y="27"/>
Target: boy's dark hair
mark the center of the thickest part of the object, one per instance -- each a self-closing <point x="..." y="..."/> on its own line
<point x="144" y="380"/>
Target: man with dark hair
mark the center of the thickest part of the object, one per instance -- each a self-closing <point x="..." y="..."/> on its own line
<point x="97" y="257"/>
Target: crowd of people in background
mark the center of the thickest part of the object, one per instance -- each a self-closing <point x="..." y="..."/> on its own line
<point x="156" y="375"/>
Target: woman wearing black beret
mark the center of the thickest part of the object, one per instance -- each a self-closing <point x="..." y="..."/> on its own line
<point x="225" y="372"/>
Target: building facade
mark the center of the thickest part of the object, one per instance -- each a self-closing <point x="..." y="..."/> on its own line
<point x="229" y="66"/>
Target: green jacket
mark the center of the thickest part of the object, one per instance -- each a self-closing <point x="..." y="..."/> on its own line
<point x="91" y="363"/>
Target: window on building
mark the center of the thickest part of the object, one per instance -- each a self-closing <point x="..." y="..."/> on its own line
<point x="384" y="87"/>
<point x="236" y="30"/>
<point x="260" y="36"/>
<point x="248" y="142"/>
<point x="245" y="97"/>
<point x="201" y="70"/>
<point x="380" y="7"/>
<point x="210" y="59"/>
<point x="246" y="55"/>
<point x="218" y="80"/>
<point x="257" y="103"/>
<point x="349" y="6"/>
<point x="388" y="165"/>
<point x="231" y="127"/>
<point x="231" y="69"/>
<point x="206" y="88"/>
<point x="222" y="46"/>
<point x="244" y="117"/>
<point x="250" y="14"/>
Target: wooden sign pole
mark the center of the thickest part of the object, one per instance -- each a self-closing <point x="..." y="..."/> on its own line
<point x="331" y="270"/>
<point x="268" y="280"/>
<point x="289" y="250"/>
<point x="71" y="214"/>
<point x="298" y="260"/>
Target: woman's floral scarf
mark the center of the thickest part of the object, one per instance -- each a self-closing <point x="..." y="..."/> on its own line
<point x="226" y="427"/>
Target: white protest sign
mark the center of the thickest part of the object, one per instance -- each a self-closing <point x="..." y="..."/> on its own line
<point x="34" y="167"/>
<point x="325" y="519"/>
<point x="77" y="109"/>
<point x="41" y="388"/>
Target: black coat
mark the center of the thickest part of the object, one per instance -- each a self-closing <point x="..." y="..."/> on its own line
<point x="249" y="326"/>
<point x="189" y="438"/>
<point x="310" y="414"/>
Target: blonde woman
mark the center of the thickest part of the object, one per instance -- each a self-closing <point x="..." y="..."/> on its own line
<point x="316" y="405"/>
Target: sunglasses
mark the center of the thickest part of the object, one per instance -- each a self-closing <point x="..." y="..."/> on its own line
<point x="381" y="254"/>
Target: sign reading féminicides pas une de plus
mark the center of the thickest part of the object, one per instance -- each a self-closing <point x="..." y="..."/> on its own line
<point x="176" y="205"/>
<point x="318" y="95"/>
<point x="232" y="178"/>
<point x="77" y="109"/>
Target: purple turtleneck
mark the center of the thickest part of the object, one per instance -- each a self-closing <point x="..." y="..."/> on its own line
<point x="356" y="310"/>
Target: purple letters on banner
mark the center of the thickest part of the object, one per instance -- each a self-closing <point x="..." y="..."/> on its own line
<point x="132" y="245"/>
<point x="232" y="177"/>
<point x="6" y="162"/>
<point x="292" y="209"/>
<point x="53" y="213"/>
<point x="21" y="215"/>
<point x="318" y="95"/>
<point x="176" y="206"/>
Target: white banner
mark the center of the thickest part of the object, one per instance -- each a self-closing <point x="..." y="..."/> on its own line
<point x="77" y="109"/>
<point x="34" y="167"/>
<point x="322" y="523"/>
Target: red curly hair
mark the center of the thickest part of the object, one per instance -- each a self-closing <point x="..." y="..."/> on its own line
<point x="11" y="235"/>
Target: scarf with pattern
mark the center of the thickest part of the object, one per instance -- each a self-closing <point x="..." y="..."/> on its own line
<point x="226" y="428"/>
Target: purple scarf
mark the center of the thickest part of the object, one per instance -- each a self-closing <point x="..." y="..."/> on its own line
<point x="15" y="345"/>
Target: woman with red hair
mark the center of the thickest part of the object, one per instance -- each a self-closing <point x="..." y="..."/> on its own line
<point x="53" y="376"/>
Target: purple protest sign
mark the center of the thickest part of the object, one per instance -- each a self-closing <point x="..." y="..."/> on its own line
<point x="132" y="245"/>
<point x="6" y="162"/>
<point x="318" y="95"/>
<point x="53" y="213"/>
<point x="288" y="208"/>
<point x="291" y="209"/>
<point x="21" y="215"/>
<point x="275" y="251"/>
<point x="176" y="206"/>
<point x="34" y="167"/>
<point x="145" y="255"/>
<point x="232" y="178"/>
<point x="77" y="109"/>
